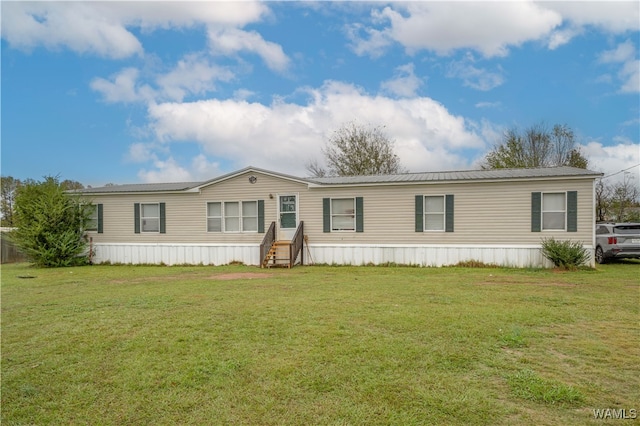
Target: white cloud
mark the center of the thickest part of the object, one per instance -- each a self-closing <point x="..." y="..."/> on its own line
<point x="629" y="74"/>
<point x="77" y="26"/>
<point x="404" y="82"/>
<point x="476" y="78"/>
<point x="165" y="171"/>
<point x="229" y="41"/>
<point x="624" y="52"/>
<point x="488" y="104"/>
<point x="442" y="27"/>
<point x="614" y="17"/>
<point x="165" y="168"/>
<point x="612" y="158"/>
<point x="141" y="152"/>
<point x="284" y="136"/>
<point x="373" y="43"/>
<point x="101" y="28"/>
<point x="168" y="170"/>
<point x="123" y="87"/>
<point x="604" y="78"/>
<point x="192" y="75"/>
<point x="490" y="28"/>
<point x="243" y="94"/>
<point x="154" y="14"/>
<point x="632" y="122"/>
<point x="203" y="169"/>
<point x="561" y="37"/>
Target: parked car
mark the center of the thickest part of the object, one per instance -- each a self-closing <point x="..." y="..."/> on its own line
<point x="617" y="241"/>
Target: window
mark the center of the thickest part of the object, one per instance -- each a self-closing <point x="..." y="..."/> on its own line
<point x="150" y="217"/>
<point x="214" y="217"/>
<point x="553" y="211"/>
<point x="92" y="223"/>
<point x="249" y="216"/>
<point x="434" y="212"/>
<point x="627" y="229"/>
<point x="147" y="217"/>
<point x="343" y="214"/>
<point x="234" y="216"/>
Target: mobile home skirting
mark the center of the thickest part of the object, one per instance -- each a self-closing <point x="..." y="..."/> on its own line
<point x="339" y="254"/>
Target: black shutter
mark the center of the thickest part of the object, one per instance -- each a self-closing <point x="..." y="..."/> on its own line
<point x="326" y="215"/>
<point x="359" y="215"/>
<point x="536" y="211"/>
<point x="419" y="213"/>
<point x="448" y="219"/>
<point x="163" y="219"/>
<point x="136" y="218"/>
<point x="100" y="216"/>
<point x="572" y="211"/>
<point x="261" y="216"/>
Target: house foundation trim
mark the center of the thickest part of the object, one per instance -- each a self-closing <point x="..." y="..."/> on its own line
<point x="510" y="255"/>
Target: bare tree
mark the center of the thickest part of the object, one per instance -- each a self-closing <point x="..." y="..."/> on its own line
<point x="624" y="195"/>
<point x="9" y="185"/>
<point x="536" y="146"/>
<point x="356" y="150"/>
<point x="316" y="169"/>
<point x="603" y="200"/>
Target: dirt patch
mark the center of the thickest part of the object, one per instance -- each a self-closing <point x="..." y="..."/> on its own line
<point x="515" y="280"/>
<point x="531" y="283"/>
<point x="221" y="277"/>
<point x="240" y="276"/>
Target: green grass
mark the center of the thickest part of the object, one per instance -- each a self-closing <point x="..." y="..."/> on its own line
<point x="528" y="385"/>
<point x="321" y="345"/>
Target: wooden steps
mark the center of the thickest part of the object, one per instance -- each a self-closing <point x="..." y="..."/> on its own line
<point x="278" y="256"/>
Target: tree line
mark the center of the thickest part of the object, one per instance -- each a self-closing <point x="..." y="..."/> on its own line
<point x="618" y="201"/>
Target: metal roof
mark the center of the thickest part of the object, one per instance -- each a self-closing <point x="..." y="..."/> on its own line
<point x="463" y="175"/>
<point x="140" y="187"/>
<point x="454" y="176"/>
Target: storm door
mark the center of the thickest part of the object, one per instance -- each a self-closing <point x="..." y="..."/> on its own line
<point x="288" y="216"/>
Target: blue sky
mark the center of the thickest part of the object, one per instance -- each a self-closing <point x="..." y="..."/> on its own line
<point x="125" y="92"/>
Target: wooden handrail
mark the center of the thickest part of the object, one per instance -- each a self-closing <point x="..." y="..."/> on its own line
<point x="296" y="246"/>
<point x="267" y="242"/>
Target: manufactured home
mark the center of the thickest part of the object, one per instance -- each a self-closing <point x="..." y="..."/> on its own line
<point x="264" y="218"/>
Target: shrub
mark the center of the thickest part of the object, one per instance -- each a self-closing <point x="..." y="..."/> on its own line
<point x="50" y="224"/>
<point x="564" y="254"/>
<point x="472" y="263"/>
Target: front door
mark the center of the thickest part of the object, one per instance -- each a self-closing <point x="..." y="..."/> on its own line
<point x="288" y="220"/>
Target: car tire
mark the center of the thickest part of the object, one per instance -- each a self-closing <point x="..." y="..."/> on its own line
<point x="600" y="255"/>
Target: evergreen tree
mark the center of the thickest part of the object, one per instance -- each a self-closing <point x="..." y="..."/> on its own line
<point x="50" y="224"/>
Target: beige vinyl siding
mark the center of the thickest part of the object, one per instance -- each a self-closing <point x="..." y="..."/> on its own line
<point x="186" y="213"/>
<point x="485" y="213"/>
<point x="491" y="213"/>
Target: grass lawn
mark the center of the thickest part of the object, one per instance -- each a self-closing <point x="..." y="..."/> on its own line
<point x="115" y="345"/>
